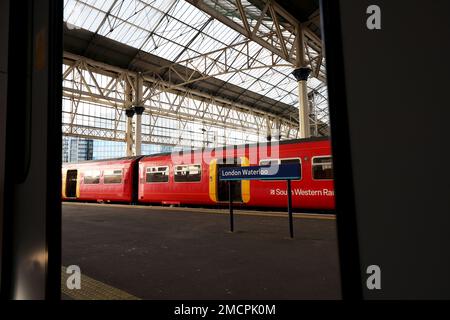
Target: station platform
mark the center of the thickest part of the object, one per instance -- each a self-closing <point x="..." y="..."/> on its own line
<point x="152" y="252"/>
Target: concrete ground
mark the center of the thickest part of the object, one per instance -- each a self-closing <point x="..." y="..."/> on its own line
<point x="164" y="253"/>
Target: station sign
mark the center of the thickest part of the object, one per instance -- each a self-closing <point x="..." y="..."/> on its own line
<point x="289" y="171"/>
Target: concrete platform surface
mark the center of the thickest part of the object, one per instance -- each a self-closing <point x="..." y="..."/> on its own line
<point x="160" y="253"/>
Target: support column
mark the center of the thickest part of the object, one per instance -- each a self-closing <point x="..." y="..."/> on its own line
<point x="301" y="74"/>
<point x="313" y="110"/>
<point x="129" y="111"/>
<point x="139" y="109"/>
<point x="278" y="128"/>
<point x="129" y="133"/>
<point x="268" y="131"/>
<point x="138" y="130"/>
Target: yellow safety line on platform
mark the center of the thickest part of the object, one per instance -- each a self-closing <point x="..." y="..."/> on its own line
<point x="213" y="211"/>
<point x="93" y="290"/>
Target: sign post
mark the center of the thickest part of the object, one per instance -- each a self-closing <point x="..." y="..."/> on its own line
<point x="231" y="207"/>
<point x="291" y="222"/>
<point x="287" y="172"/>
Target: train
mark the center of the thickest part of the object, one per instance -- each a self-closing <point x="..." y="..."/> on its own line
<point x="190" y="177"/>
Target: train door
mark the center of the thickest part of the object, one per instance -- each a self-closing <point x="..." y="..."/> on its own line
<point x="71" y="183"/>
<point x="218" y="190"/>
<point x="223" y="186"/>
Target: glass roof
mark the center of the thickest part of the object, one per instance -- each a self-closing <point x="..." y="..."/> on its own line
<point x="176" y="30"/>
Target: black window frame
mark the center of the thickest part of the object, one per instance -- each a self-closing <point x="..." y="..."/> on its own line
<point x="279" y="160"/>
<point x="167" y="171"/>
<point x="90" y="175"/>
<point x="112" y="175"/>
<point x="175" y="170"/>
<point x="313" y="165"/>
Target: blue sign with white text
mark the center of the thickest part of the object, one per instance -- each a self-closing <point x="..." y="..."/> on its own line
<point x="289" y="171"/>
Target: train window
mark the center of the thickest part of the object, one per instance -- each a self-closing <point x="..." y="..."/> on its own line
<point x="112" y="176"/>
<point x="267" y="162"/>
<point x="157" y="174"/>
<point x="293" y="160"/>
<point x="91" y="177"/>
<point x="188" y="173"/>
<point x="322" y="168"/>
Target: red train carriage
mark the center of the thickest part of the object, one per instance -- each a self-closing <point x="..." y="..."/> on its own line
<point x="104" y="180"/>
<point x="192" y="177"/>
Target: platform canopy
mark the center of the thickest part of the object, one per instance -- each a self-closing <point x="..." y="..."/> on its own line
<point x="238" y="50"/>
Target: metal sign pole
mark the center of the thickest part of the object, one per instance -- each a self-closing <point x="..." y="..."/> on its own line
<point x="289" y="194"/>
<point x="230" y="197"/>
<point x="284" y="172"/>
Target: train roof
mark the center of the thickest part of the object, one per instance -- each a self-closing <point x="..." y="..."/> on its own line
<point x="283" y="142"/>
<point x="104" y="160"/>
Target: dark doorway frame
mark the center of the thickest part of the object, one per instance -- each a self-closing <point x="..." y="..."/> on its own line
<point x="32" y="150"/>
<point x="349" y="259"/>
<point x="71" y="183"/>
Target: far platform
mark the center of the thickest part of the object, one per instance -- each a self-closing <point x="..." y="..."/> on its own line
<point x="156" y="252"/>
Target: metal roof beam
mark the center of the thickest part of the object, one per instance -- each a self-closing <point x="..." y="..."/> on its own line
<point x="279" y="41"/>
<point x="108" y="69"/>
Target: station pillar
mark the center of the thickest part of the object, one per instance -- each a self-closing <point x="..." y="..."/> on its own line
<point x="139" y="110"/>
<point x="301" y="75"/>
<point x="269" y="130"/>
<point x="278" y="129"/>
<point x="129" y="111"/>
<point x="129" y="133"/>
<point x="138" y="130"/>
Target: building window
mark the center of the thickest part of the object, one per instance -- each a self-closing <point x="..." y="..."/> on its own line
<point x="188" y="173"/>
<point x="112" y="176"/>
<point x="322" y="168"/>
<point x="92" y="177"/>
<point x="157" y="174"/>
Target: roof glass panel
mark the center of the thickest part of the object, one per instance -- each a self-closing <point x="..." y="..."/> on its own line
<point x="178" y="31"/>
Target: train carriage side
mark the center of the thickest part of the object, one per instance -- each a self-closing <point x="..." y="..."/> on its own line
<point x="104" y="180"/>
<point x="189" y="178"/>
<point x="194" y="181"/>
<point x="314" y="190"/>
<point x="161" y="181"/>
